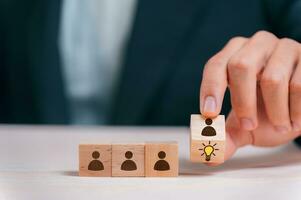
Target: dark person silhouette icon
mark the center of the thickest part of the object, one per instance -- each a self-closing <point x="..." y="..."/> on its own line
<point x="128" y="165"/>
<point x="95" y="165"/>
<point x="161" y="165"/>
<point x="208" y="130"/>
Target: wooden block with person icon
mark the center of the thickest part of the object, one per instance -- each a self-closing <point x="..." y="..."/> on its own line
<point x="207" y="139"/>
<point x="161" y="159"/>
<point x="95" y="160"/>
<point x="128" y="160"/>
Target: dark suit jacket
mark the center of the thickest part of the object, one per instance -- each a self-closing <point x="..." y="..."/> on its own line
<point x="170" y="42"/>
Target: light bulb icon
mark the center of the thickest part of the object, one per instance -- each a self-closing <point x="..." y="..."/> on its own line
<point x="208" y="150"/>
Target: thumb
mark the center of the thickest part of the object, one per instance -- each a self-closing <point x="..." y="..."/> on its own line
<point x="235" y="137"/>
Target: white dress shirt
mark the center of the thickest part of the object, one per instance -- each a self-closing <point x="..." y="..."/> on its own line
<point x="92" y="38"/>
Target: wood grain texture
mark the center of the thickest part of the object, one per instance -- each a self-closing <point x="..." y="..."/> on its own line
<point x="207" y="139"/>
<point x="95" y="160"/>
<point x="128" y="160"/>
<point x="161" y="159"/>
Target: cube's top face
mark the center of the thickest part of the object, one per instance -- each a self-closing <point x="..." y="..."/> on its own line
<point x="207" y="128"/>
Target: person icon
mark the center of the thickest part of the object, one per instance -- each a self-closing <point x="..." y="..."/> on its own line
<point x="128" y="165"/>
<point x="161" y="165"/>
<point x="208" y="130"/>
<point x="95" y="165"/>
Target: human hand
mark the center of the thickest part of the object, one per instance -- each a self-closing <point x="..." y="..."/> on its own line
<point x="263" y="74"/>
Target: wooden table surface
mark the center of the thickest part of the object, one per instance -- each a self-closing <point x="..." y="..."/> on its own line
<point x="41" y="162"/>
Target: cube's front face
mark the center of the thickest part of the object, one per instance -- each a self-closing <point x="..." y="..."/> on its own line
<point x="128" y="160"/>
<point x="95" y="160"/>
<point x="161" y="160"/>
<point x="207" y="139"/>
<point x="211" y="151"/>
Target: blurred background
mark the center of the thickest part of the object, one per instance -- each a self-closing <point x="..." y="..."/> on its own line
<point x="129" y="62"/>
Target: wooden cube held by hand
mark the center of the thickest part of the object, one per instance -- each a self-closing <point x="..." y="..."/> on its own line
<point x="207" y="139"/>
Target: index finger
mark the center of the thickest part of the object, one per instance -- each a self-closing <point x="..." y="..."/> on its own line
<point x="215" y="81"/>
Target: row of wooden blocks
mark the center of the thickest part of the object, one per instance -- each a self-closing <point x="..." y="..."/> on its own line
<point x="150" y="159"/>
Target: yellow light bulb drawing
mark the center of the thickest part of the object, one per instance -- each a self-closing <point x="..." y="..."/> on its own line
<point x="208" y="150"/>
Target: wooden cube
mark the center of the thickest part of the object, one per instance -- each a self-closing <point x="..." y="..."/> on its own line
<point x="207" y="139"/>
<point x="95" y="160"/>
<point x="161" y="159"/>
<point x="128" y="160"/>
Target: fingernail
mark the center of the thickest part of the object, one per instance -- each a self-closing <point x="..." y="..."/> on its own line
<point x="246" y="124"/>
<point x="296" y="127"/>
<point x="282" y="129"/>
<point x="210" y="104"/>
